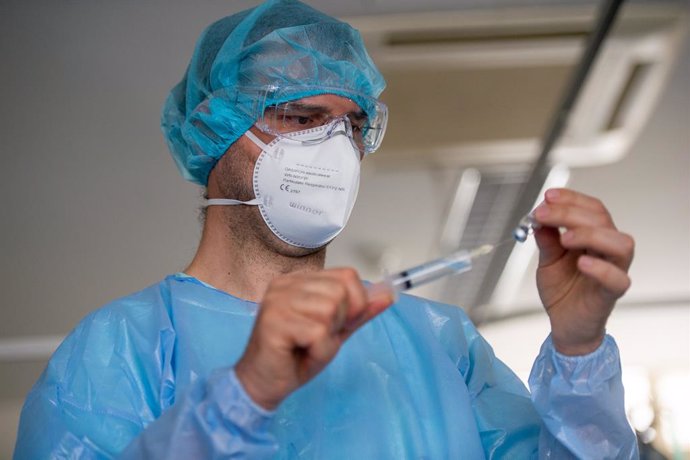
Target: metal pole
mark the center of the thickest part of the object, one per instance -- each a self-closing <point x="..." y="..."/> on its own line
<point x="530" y="190"/>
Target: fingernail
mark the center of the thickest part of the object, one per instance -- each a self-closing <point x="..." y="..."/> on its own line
<point x="541" y="211"/>
<point x="553" y="194"/>
<point x="568" y="236"/>
<point x="379" y="292"/>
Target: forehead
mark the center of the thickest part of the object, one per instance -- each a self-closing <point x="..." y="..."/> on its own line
<point x="329" y="103"/>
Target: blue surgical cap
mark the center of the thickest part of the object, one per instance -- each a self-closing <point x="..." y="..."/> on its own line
<point x="280" y="43"/>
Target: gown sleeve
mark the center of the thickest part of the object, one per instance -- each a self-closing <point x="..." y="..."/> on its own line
<point x="575" y="410"/>
<point x="215" y="419"/>
<point x="580" y="401"/>
<point x="108" y="392"/>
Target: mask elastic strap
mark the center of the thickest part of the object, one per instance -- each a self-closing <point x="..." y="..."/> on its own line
<point x="259" y="143"/>
<point x="229" y="202"/>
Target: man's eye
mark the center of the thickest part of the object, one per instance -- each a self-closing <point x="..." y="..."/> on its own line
<point x="360" y="127"/>
<point x="359" y="124"/>
<point x="298" y="121"/>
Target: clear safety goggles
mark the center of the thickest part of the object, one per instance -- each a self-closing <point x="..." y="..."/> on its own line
<point x="283" y="111"/>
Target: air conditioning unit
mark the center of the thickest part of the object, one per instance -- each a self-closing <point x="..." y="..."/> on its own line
<point x="479" y="87"/>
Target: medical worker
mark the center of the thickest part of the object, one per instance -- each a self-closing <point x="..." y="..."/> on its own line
<point x="257" y="351"/>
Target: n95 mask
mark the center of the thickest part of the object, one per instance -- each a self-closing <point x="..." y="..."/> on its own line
<point x="305" y="183"/>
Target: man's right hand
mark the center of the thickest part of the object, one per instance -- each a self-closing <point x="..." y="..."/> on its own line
<point x="303" y="320"/>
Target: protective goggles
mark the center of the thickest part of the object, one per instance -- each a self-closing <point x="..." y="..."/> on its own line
<point x="282" y="111"/>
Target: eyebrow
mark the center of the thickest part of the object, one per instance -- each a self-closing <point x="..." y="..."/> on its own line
<point x="312" y="108"/>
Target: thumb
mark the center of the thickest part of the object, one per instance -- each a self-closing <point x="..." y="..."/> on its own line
<point x="379" y="300"/>
<point x="548" y="241"/>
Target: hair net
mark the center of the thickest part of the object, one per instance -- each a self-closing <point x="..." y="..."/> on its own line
<point x="280" y="43"/>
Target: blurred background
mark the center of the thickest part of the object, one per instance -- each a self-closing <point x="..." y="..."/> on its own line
<point x="93" y="207"/>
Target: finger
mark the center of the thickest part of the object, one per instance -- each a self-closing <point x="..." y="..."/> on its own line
<point x="345" y="286"/>
<point x="616" y="246"/>
<point x="569" y="216"/>
<point x="381" y="292"/>
<point x="572" y="198"/>
<point x="549" y="244"/>
<point x="313" y="346"/>
<point x="356" y="292"/>
<point x="614" y="281"/>
<point x="325" y="302"/>
<point x="377" y="304"/>
<point x="288" y="328"/>
<point x="316" y="339"/>
<point x="333" y="296"/>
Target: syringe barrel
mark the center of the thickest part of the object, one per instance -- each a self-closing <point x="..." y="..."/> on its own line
<point x="458" y="262"/>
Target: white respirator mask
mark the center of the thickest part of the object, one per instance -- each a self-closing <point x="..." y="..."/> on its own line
<point x="305" y="183"/>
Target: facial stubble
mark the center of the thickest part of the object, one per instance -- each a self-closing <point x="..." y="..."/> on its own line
<point x="234" y="173"/>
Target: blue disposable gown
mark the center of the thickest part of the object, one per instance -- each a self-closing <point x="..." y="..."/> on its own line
<point x="150" y="376"/>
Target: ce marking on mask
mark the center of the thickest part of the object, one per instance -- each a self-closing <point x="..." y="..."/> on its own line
<point x="286" y="188"/>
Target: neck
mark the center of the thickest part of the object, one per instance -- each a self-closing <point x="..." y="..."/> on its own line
<point x="236" y="260"/>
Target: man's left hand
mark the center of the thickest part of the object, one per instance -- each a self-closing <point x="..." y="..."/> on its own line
<point x="583" y="271"/>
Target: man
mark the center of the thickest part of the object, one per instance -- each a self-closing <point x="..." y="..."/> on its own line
<point x="257" y="351"/>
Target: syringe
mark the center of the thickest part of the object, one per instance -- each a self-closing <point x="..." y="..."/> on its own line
<point x="457" y="262"/>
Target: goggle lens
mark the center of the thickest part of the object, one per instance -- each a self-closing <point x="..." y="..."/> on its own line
<point x="367" y="126"/>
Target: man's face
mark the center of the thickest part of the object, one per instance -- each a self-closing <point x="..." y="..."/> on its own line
<point x="232" y="176"/>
